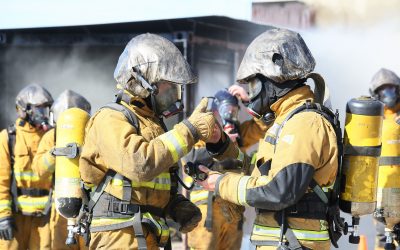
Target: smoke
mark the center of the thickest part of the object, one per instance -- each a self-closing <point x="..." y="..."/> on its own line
<point x="347" y="58"/>
<point x="86" y="70"/>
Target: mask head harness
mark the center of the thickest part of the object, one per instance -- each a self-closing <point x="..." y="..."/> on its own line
<point x="264" y="92"/>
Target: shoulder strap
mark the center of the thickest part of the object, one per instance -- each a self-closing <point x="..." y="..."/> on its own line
<point x="334" y="120"/>
<point x="12" y="132"/>
<point x="129" y="115"/>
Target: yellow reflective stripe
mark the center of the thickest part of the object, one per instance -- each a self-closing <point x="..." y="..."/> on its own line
<point x="253" y="159"/>
<point x="175" y="144"/>
<point x="198" y="196"/>
<point x="26" y="176"/>
<point x="116" y="182"/>
<point x="108" y="221"/>
<point x="242" y="190"/>
<point x="5" y="205"/>
<point x="153" y="185"/>
<point x="162" y="227"/>
<point x="161" y="182"/>
<point x="188" y="180"/>
<point x="327" y="188"/>
<point x="300" y="234"/>
<point x="32" y="204"/>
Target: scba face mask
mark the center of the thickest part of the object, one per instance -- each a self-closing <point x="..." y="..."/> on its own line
<point x="168" y="101"/>
<point x="38" y="116"/>
<point x="260" y="100"/>
<point x="389" y="96"/>
<point x="228" y="112"/>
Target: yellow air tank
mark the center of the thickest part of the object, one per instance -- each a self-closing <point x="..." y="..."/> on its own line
<point x="362" y="147"/>
<point x="70" y="132"/>
<point x="388" y="195"/>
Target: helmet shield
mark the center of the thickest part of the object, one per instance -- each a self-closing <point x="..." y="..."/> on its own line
<point x="168" y="100"/>
<point x="383" y="77"/>
<point x="33" y="95"/>
<point x="69" y="99"/>
<point x="156" y="59"/>
<point x="277" y="54"/>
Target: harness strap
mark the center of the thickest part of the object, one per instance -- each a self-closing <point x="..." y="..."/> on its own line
<point x="209" y="220"/>
<point x="95" y="196"/>
<point x="33" y="192"/>
<point x="12" y="131"/>
<point x="137" y="227"/>
<point x="285" y="230"/>
<point x="334" y="121"/>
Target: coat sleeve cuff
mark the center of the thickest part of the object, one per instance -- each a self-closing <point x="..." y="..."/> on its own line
<point x="228" y="187"/>
<point x="179" y="141"/>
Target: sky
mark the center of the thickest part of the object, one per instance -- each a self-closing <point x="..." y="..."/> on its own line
<point x="45" y="13"/>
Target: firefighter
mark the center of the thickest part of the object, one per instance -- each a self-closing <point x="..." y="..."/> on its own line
<point x="385" y="87"/>
<point x="25" y="197"/>
<point x="299" y="151"/>
<point x="44" y="163"/>
<point x="129" y="159"/>
<point x="221" y="228"/>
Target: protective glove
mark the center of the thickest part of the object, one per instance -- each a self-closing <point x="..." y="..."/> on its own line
<point x="202" y="120"/>
<point x="184" y="212"/>
<point x="227" y="165"/>
<point x="7" y="227"/>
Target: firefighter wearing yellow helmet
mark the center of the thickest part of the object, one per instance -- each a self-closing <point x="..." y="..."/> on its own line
<point x="25" y="197"/>
<point x="44" y="163"/>
<point x="128" y="157"/>
<point x="385" y="86"/>
<point x="298" y="157"/>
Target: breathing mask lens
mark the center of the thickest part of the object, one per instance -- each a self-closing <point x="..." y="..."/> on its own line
<point x="255" y="86"/>
<point x="39" y="116"/>
<point x="389" y="96"/>
<point x="168" y="100"/>
<point x="228" y="112"/>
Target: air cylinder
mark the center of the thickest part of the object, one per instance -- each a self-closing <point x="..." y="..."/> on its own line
<point x="362" y="148"/>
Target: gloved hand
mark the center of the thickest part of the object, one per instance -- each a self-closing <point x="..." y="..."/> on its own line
<point x="203" y="121"/>
<point x="185" y="213"/>
<point x="7" y="227"/>
<point x="228" y="164"/>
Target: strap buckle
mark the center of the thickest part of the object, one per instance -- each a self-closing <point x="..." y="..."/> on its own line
<point x="124" y="208"/>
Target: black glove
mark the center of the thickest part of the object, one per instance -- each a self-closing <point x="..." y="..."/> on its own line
<point x="228" y="165"/>
<point x="184" y="212"/>
<point x="7" y="227"/>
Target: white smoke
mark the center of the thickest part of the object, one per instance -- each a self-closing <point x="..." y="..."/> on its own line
<point x="83" y="69"/>
<point x="348" y="58"/>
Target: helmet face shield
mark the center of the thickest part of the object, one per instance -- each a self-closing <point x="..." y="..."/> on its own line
<point x="168" y="100"/>
<point x="39" y="116"/>
<point x="388" y="95"/>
